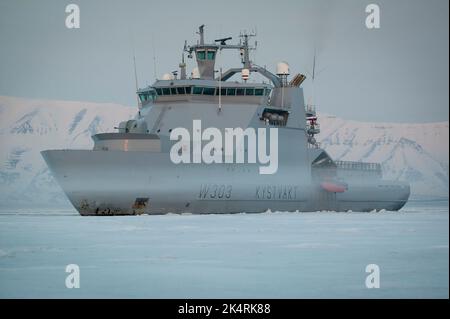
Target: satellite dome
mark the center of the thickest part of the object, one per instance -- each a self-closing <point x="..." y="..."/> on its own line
<point x="168" y="76"/>
<point x="282" y="68"/>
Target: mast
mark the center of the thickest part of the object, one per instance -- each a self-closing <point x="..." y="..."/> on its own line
<point x="313" y="127"/>
<point x="182" y="66"/>
<point x="202" y="34"/>
<point x="206" y="54"/>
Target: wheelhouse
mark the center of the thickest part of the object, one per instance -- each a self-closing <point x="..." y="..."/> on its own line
<point x="147" y="95"/>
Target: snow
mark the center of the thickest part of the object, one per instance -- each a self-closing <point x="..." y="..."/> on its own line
<point x="417" y="153"/>
<point x="270" y="255"/>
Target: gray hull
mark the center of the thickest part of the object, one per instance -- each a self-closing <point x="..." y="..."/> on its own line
<point x="131" y="183"/>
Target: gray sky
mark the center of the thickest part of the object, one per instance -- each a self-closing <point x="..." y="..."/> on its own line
<point x="397" y="73"/>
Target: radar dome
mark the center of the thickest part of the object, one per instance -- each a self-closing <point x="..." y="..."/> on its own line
<point x="282" y="68"/>
<point x="168" y="76"/>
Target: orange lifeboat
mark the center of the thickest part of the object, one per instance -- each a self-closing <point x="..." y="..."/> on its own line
<point x="334" y="187"/>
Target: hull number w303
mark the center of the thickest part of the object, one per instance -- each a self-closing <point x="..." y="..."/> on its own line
<point x="215" y="191"/>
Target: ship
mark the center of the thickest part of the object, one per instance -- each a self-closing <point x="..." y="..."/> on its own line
<point x="132" y="171"/>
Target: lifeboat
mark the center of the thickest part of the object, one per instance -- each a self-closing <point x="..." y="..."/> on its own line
<point x="334" y="187"/>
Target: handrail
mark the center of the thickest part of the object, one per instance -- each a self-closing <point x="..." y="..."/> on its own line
<point x="358" y="166"/>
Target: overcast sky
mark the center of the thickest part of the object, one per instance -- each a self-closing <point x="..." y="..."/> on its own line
<point x="397" y="73"/>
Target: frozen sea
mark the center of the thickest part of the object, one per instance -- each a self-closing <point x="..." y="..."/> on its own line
<point x="270" y="255"/>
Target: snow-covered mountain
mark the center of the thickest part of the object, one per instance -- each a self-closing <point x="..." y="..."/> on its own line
<point x="417" y="153"/>
<point x="28" y="126"/>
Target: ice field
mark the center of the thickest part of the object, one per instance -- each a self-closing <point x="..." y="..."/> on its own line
<point x="270" y="255"/>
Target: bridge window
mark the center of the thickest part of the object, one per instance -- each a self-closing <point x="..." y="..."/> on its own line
<point x="211" y="55"/>
<point x="201" y="55"/>
<point x="209" y="91"/>
<point x="249" y="91"/>
<point x="143" y="97"/>
<point x="231" y="91"/>
<point x="147" y="96"/>
<point x="198" y="90"/>
<point x="166" y="91"/>
<point x="159" y="91"/>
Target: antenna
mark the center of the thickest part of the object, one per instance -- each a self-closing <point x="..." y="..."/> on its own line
<point x="136" y="78"/>
<point x="154" y="56"/>
<point x="223" y="41"/>
<point x="135" y="72"/>
<point x="312" y="98"/>
<point x="201" y="33"/>
<point x="220" y="81"/>
<point x="314" y="66"/>
<point x="244" y="41"/>
<point x="314" y="72"/>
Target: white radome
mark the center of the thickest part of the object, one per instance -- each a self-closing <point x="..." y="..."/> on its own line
<point x="282" y="68"/>
<point x="167" y="76"/>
